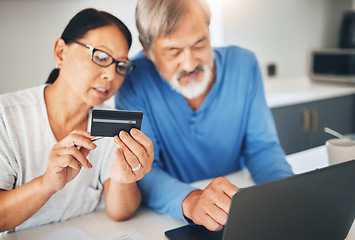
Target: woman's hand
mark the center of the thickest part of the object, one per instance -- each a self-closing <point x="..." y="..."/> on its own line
<point x="134" y="157"/>
<point x="66" y="159"/>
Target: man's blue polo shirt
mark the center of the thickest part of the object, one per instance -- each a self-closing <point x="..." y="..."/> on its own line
<point x="232" y="129"/>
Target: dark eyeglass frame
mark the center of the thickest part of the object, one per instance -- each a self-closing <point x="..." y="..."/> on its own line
<point x="130" y="66"/>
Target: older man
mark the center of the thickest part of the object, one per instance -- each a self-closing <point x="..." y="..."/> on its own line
<point x="205" y="112"/>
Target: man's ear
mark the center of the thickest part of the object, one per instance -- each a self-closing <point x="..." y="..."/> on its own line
<point x="146" y="49"/>
<point x="59" y="46"/>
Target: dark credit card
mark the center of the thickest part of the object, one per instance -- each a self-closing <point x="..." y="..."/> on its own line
<point x="108" y="123"/>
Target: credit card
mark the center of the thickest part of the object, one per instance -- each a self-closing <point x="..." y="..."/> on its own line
<point x="108" y="123"/>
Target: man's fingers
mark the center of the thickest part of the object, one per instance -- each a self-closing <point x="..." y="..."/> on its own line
<point x="221" y="201"/>
<point x="221" y="191"/>
<point x="220" y="215"/>
<point x="229" y="189"/>
<point x="210" y="223"/>
<point x="222" y="184"/>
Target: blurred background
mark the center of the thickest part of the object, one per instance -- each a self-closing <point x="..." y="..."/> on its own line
<point x="280" y="32"/>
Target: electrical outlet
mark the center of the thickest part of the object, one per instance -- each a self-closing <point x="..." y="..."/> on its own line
<point x="271" y="70"/>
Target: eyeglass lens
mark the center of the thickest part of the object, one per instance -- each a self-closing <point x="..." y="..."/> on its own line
<point x="101" y="58"/>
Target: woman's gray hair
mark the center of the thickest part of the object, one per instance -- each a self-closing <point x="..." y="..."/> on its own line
<point x="155" y="18"/>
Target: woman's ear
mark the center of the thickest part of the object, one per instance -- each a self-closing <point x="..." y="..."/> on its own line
<point x="59" y="46"/>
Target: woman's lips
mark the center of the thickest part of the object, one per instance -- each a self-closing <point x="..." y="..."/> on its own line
<point x="101" y="91"/>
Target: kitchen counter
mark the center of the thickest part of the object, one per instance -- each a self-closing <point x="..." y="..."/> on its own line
<point x="290" y="91"/>
<point x="151" y="224"/>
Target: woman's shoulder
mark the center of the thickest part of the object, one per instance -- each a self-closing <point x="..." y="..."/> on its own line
<point x="28" y="96"/>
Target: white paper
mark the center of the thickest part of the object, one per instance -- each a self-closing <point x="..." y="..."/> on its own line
<point x="72" y="233"/>
<point x="127" y="234"/>
<point x="68" y="233"/>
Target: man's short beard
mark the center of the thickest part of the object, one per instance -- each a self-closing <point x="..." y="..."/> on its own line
<point x="194" y="88"/>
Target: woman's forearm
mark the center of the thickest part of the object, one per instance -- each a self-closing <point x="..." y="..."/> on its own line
<point x="121" y="201"/>
<point x="18" y="205"/>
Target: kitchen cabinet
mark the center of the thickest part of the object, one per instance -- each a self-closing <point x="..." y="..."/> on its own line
<point x="301" y="126"/>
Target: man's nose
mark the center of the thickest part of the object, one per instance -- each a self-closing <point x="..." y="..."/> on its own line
<point x="188" y="61"/>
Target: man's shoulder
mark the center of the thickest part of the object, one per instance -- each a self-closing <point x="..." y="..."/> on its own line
<point x="143" y="66"/>
<point x="140" y="58"/>
<point x="234" y="51"/>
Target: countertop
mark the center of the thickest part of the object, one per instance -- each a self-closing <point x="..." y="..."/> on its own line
<point x="151" y="224"/>
<point x="290" y="91"/>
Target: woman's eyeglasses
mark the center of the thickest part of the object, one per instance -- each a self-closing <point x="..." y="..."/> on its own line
<point x="103" y="59"/>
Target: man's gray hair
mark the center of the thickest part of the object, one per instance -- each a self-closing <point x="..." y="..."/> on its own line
<point x="156" y="18"/>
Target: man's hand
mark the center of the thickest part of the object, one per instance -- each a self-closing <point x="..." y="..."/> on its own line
<point x="210" y="207"/>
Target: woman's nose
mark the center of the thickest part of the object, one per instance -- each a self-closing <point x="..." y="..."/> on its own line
<point x="110" y="73"/>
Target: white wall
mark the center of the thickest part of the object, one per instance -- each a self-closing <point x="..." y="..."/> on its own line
<point x="28" y="29"/>
<point x="278" y="31"/>
<point x="283" y="31"/>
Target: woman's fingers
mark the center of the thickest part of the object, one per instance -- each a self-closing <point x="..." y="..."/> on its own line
<point x="142" y="150"/>
<point x="144" y="141"/>
<point x="78" y="145"/>
<point x="67" y="157"/>
<point x="69" y="161"/>
<point x="130" y="158"/>
<point x="133" y="155"/>
<point x="78" y="139"/>
<point x="121" y="172"/>
<point x="76" y="155"/>
<point x="122" y="164"/>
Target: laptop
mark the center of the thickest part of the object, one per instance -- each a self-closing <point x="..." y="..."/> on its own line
<point x="319" y="204"/>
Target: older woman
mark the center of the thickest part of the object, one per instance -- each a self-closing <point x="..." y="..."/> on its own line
<point x="50" y="170"/>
